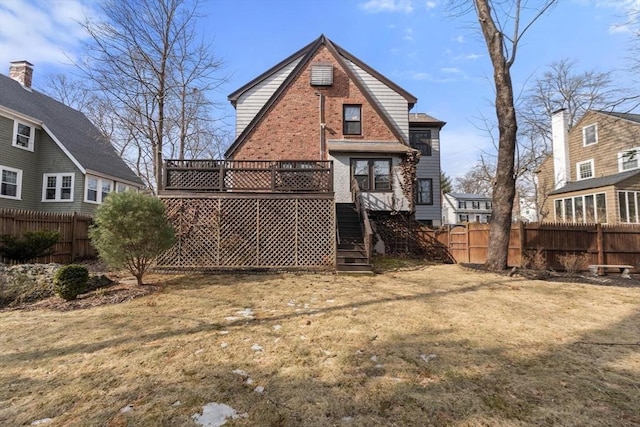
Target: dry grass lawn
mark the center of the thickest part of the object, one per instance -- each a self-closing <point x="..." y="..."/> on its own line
<point x="437" y="345"/>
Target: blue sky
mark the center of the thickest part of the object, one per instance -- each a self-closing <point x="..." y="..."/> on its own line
<point x="440" y="59"/>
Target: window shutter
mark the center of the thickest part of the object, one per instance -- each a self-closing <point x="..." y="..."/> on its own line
<point x="321" y="75"/>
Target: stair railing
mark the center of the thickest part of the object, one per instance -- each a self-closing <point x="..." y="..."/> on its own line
<point x="356" y="195"/>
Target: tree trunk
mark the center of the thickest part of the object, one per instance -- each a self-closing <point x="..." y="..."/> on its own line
<point x="504" y="186"/>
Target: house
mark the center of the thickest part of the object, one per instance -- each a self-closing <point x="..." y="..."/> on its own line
<point x="322" y="125"/>
<point x="459" y="208"/>
<point x="424" y="136"/>
<point x="593" y="174"/>
<point x="526" y="210"/>
<point x="52" y="159"/>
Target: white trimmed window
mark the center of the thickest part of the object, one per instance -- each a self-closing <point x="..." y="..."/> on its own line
<point x="23" y="135"/>
<point x="10" y="183"/>
<point x="584" y="170"/>
<point x="121" y="188"/>
<point x="97" y="189"/>
<point x="57" y="187"/>
<point x="590" y="134"/>
<point x="628" y="204"/>
<point x="628" y="159"/>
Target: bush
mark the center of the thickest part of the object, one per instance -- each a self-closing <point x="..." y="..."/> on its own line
<point x="130" y="231"/>
<point x="535" y="260"/>
<point x="31" y="245"/>
<point x="573" y="263"/>
<point x="70" y="281"/>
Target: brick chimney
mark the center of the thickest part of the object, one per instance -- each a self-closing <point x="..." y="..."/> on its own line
<point x="22" y="72"/>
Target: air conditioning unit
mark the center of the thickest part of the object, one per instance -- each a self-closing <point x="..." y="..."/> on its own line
<point x="321" y="75"/>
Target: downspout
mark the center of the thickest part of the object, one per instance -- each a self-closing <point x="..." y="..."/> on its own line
<point x="323" y="142"/>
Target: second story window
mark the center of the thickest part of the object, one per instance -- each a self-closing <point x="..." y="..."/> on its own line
<point x="584" y="170"/>
<point x="462" y="204"/>
<point x="10" y="182"/>
<point x="628" y="160"/>
<point x="590" y="135"/>
<point x="23" y="136"/>
<point x="475" y="205"/>
<point x="421" y="140"/>
<point x="424" y="191"/>
<point x="352" y="120"/>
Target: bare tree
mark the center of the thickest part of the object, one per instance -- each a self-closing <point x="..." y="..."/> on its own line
<point x="145" y="58"/>
<point x="503" y="30"/>
<point x="478" y="180"/>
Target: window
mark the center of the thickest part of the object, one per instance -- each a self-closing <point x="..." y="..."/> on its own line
<point x="584" y="170"/>
<point x="628" y="204"/>
<point x="97" y="189"/>
<point x="421" y="140"/>
<point x="628" y="159"/>
<point x="589" y="208"/>
<point x="352" y="120"/>
<point x="463" y="218"/>
<point x="475" y="205"/>
<point x="590" y="135"/>
<point x="488" y="204"/>
<point x="10" y="182"/>
<point x="23" y="136"/>
<point x="462" y="204"/>
<point x="121" y="188"/>
<point x="57" y="187"/>
<point x="424" y="191"/>
<point x="372" y="174"/>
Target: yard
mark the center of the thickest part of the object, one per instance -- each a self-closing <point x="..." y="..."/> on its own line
<point x="431" y="345"/>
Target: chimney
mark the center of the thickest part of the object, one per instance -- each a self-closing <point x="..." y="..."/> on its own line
<point x="560" y="143"/>
<point x="22" y="72"/>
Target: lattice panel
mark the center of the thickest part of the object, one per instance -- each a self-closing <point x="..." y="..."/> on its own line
<point x="238" y="233"/>
<point x="248" y="179"/>
<point x="194" y="178"/>
<point x="277" y="233"/>
<point x="316" y="233"/>
<point x="245" y="232"/>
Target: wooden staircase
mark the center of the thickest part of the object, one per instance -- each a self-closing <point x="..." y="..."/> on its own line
<point x="352" y="253"/>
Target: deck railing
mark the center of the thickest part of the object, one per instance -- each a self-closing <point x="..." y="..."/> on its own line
<point x="298" y="176"/>
<point x="367" y="230"/>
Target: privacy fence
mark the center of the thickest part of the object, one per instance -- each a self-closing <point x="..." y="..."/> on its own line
<point x="74" y="240"/>
<point x="240" y="231"/>
<point x="601" y="244"/>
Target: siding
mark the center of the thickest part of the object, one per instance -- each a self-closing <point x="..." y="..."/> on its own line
<point x="429" y="167"/>
<point x="389" y="100"/>
<point x="250" y="102"/>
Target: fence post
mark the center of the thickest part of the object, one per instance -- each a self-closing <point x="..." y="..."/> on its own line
<point x="521" y="231"/>
<point x="74" y="224"/>
<point x="468" y="227"/>
<point x="600" y="243"/>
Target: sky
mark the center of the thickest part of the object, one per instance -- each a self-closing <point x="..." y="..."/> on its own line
<point x="418" y="44"/>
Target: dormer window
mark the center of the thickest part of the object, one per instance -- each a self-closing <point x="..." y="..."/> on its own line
<point x="628" y="159"/>
<point x="23" y="136"/>
<point x="321" y="75"/>
<point x="590" y="135"/>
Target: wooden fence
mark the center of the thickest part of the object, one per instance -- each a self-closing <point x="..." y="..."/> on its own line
<point x="74" y="240"/>
<point x="601" y="244"/>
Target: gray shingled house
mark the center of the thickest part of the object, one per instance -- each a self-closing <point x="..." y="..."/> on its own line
<point x="52" y="159"/>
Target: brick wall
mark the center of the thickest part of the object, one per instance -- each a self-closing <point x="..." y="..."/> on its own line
<point x="291" y="128"/>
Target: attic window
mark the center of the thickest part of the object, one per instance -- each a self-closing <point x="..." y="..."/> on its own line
<point x="321" y="75"/>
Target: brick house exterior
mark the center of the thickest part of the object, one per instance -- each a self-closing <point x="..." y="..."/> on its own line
<point x="593" y="174"/>
<point x="283" y="115"/>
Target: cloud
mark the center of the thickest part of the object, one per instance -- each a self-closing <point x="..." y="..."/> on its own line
<point x="620" y="29"/>
<point x="51" y="36"/>
<point x="472" y="56"/>
<point x="377" y="6"/>
<point x="408" y="34"/>
<point x="431" y="5"/>
<point x="451" y="70"/>
<point x="459" y="39"/>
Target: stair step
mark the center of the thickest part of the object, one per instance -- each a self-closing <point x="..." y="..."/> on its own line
<point x="351" y="246"/>
<point x="355" y="268"/>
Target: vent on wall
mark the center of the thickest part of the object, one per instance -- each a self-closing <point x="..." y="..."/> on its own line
<point x="321" y="75"/>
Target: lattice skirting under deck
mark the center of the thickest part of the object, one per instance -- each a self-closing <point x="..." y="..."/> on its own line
<point x="251" y="232"/>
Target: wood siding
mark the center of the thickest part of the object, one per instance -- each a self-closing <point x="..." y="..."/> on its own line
<point x="250" y="102"/>
<point x="429" y="167"/>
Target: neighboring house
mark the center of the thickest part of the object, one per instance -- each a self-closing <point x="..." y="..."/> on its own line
<point x="593" y="174"/>
<point x="424" y="136"/>
<point x="52" y="159"/>
<point x="459" y="208"/>
<point x="526" y="210"/>
<point x="323" y="103"/>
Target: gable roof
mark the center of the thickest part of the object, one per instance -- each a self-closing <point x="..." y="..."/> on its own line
<point x="587" y="184"/>
<point x="625" y="116"/>
<point x="423" y="119"/>
<point x="307" y="54"/>
<point x="71" y="129"/>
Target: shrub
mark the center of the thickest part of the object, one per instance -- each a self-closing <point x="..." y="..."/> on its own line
<point x="573" y="263"/>
<point x="535" y="260"/>
<point x="130" y="231"/>
<point x="31" y="245"/>
<point x="70" y="281"/>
